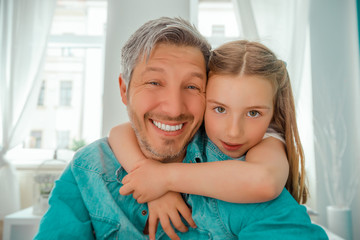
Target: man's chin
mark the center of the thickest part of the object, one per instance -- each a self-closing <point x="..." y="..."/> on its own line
<point x="165" y="156"/>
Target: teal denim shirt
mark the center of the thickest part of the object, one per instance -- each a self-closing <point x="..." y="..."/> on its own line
<point x="85" y="204"/>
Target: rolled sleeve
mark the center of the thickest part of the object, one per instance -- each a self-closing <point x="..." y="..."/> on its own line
<point x="67" y="216"/>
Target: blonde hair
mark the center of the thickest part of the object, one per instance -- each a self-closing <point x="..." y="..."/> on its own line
<point x="252" y="58"/>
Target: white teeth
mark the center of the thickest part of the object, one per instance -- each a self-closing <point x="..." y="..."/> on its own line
<point x="168" y="128"/>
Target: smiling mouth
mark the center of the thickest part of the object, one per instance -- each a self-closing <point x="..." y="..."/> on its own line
<point x="166" y="127"/>
<point x="231" y="147"/>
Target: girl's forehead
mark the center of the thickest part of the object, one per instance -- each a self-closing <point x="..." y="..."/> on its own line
<point x="222" y="78"/>
<point x="239" y="86"/>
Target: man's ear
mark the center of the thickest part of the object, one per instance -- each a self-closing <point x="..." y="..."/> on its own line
<point x="122" y="85"/>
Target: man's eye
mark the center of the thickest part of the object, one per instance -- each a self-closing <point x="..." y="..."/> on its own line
<point x="220" y="110"/>
<point x="192" y="87"/>
<point x="253" y="113"/>
<point x="154" y="83"/>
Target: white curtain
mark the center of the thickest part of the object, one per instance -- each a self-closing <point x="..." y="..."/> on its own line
<point x="24" y="27"/>
<point x="246" y="20"/>
<point x="282" y="26"/>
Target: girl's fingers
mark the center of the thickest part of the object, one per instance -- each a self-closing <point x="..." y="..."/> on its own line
<point x="125" y="180"/>
<point x="136" y="195"/>
<point x="186" y="214"/>
<point x="140" y="199"/>
<point x="168" y="229"/>
<point x="125" y="190"/>
<point x="153" y="224"/>
<point x="176" y="221"/>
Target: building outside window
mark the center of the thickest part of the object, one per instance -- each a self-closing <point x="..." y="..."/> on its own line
<point x="36" y="139"/>
<point x="217" y="21"/>
<point x="41" y="94"/>
<point x="70" y="95"/>
<point x="65" y="93"/>
<point x="63" y="139"/>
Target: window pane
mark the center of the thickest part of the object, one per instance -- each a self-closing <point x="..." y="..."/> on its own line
<point x="36" y="139"/>
<point x="65" y="93"/>
<point x="63" y="139"/>
<point x="70" y="95"/>
<point x="217" y="19"/>
<point x="41" y="94"/>
<point x="79" y="17"/>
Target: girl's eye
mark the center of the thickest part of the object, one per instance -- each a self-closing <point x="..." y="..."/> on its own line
<point x="253" y="114"/>
<point x="220" y="110"/>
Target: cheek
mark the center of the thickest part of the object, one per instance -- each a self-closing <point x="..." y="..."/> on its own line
<point x="211" y="124"/>
<point x="143" y="101"/>
<point x="196" y="105"/>
<point x="258" y="131"/>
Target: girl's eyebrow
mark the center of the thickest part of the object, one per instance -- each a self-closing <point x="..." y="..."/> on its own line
<point x="259" y="107"/>
<point x="266" y="107"/>
<point x="215" y="102"/>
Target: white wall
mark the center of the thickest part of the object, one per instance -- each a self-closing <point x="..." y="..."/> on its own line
<point x="335" y="83"/>
<point x="124" y="17"/>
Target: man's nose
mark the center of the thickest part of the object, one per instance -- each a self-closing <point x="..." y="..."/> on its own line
<point x="173" y="103"/>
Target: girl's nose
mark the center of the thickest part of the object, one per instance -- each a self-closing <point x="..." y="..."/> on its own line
<point x="235" y="127"/>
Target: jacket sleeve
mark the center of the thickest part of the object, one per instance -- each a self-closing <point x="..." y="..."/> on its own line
<point x="67" y="216"/>
<point x="281" y="218"/>
<point x="292" y="223"/>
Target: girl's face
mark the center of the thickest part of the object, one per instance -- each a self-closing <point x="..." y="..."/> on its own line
<point x="238" y="112"/>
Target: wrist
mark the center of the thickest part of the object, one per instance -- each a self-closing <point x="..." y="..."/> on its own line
<point x="171" y="176"/>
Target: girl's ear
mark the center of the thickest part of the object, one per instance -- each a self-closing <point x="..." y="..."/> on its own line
<point x="122" y="90"/>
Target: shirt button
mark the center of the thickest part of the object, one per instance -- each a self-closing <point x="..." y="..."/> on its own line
<point x="144" y="212"/>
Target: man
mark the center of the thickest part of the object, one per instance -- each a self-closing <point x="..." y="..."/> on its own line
<point x="163" y="85"/>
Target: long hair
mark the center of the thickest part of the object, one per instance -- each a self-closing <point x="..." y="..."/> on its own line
<point x="252" y="58"/>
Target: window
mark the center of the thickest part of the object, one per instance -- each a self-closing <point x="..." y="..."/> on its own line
<point x="217" y="21"/>
<point x="65" y="93"/>
<point x="63" y="139"/>
<point x="72" y="88"/>
<point x="35" y="139"/>
<point x="41" y="94"/>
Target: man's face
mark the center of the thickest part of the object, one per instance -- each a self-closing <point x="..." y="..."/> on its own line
<point x="166" y="100"/>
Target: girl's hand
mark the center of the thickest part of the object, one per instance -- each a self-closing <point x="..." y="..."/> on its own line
<point x="148" y="181"/>
<point x="169" y="208"/>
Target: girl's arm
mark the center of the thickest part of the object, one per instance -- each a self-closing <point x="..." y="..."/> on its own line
<point x="260" y="178"/>
<point x="125" y="146"/>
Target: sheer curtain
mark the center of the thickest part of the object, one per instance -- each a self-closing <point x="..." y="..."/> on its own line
<point x="24" y="27"/>
<point x="282" y="25"/>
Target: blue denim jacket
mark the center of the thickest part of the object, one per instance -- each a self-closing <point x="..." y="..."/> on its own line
<point x="85" y="204"/>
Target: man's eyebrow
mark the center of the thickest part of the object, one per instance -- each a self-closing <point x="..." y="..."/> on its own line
<point x="197" y="75"/>
<point x="158" y="69"/>
<point x="153" y="69"/>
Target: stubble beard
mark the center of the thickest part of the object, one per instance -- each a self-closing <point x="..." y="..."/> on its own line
<point x="169" y="153"/>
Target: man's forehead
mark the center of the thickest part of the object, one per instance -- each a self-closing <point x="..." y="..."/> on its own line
<point x="162" y="53"/>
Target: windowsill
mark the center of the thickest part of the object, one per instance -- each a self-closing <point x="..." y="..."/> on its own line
<point x="33" y="159"/>
<point x="35" y="165"/>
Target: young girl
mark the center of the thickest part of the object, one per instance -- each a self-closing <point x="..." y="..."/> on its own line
<point x="249" y="114"/>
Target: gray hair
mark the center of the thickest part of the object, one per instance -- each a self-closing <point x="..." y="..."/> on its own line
<point x="163" y="30"/>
